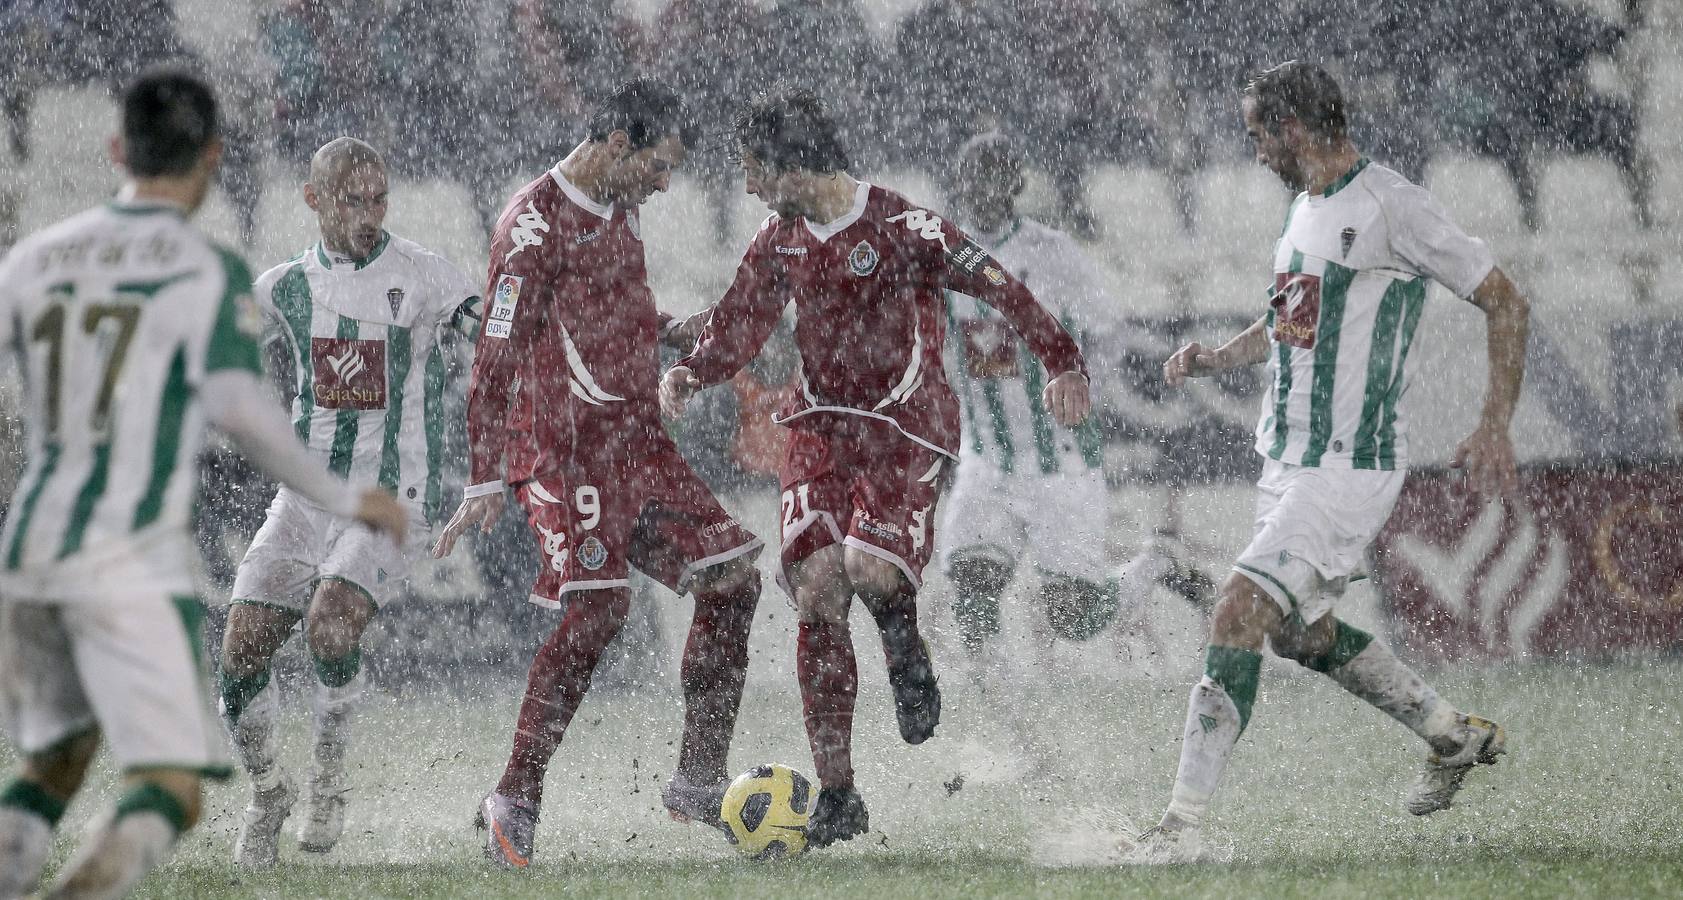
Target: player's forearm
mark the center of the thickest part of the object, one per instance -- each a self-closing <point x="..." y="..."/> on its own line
<point x="1248" y="348"/>
<point x="488" y="402"/>
<point x="1045" y="336"/>
<point x="234" y="402"/>
<point x="1508" y="327"/>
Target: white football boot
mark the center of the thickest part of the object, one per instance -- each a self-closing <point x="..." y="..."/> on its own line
<point x="324" y="815"/>
<point x="1481" y="742"/>
<point x="258" y="844"/>
<point x="1159" y="846"/>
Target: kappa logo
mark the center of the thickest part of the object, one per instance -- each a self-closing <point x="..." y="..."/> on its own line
<point x="587" y="237"/>
<point x="528" y="231"/>
<point x="554" y="547"/>
<point x="791" y="251"/>
<point x="347" y="365"/>
<point x="925" y="223"/>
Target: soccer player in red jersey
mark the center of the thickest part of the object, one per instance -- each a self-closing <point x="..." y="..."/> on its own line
<point x="563" y="408"/>
<point x="874" y="424"/>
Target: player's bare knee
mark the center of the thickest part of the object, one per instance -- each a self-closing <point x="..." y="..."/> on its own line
<point x="61" y="769"/>
<point x="252" y="636"/>
<point x="1245" y="616"/>
<point x="735" y="578"/>
<point x="338" y="615"/>
<point x="822" y="603"/>
<point x="872" y="578"/>
<point x="1300" y="643"/>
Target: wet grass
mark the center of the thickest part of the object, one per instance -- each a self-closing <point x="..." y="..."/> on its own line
<point x="1587" y="804"/>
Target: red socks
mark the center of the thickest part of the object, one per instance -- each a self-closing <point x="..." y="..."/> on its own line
<point x="829" y="679"/>
<point x="714" y="667"/>
<point x="555" y="685"/>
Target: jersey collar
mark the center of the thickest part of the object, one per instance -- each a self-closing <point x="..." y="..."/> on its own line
<point x="327" y="260"/>
<point x="1345" y="179"/>
<point x="861" y="196"/>
<point x="579" y="198"/>
<point x="145" y="208"/>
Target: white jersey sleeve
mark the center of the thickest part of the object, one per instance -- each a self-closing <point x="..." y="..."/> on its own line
<point x="1423" y="235"/>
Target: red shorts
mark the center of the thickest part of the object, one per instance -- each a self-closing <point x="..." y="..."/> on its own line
<point x="867" y="487"/>
<point x="596" y="520"/>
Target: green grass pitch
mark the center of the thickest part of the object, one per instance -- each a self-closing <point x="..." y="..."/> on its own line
<point x="1587" y="804"/>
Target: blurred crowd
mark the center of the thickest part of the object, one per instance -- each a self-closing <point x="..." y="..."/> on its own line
<point x="479" y="91"/>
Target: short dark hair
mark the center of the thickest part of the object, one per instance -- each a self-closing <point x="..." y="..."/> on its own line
<point x="787" y="128"/>
<point x="1302" y="91"/>
<point x="169" y="118"/>
<point x="647" y="110"/>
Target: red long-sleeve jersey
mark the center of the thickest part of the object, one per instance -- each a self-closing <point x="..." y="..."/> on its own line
<point x="870" y="315"/>
<point x="567" y="361"/>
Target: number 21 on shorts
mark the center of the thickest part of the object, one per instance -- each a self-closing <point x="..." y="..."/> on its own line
<point x="796" y="505"/>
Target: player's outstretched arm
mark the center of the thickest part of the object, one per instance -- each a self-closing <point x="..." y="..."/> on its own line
<point x="483" y="510"/>
<point x="1194" y="360"/>
<point x="677" y="386"/>
<point x="1487" y="455"/>
<point x="234" y="402"/>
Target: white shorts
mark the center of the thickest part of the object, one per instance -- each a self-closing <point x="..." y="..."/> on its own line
<point x="1313" y="526"/>
<point x="131" y="664"/>
<point x="301" y="544"/>
<point x="998" y="517"/>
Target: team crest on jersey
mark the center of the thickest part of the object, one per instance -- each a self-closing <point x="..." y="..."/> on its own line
<point x="994" y="276"/>
<point x="1297" y="309"/>
<point x="500" y="322"/>
<point x="1346" y="240"/>
<point x="863" y="260"/>
<point x="349" y="374"/>
<point x="394" y="298"/>
<point x="592" y="555"/>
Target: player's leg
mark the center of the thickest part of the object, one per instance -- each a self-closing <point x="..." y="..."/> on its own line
<point x="1368" y="669"/>
<point x="978" y="583"/>
<point x="685" y="540"/>
<point x="713" y="671"/>
<point x="47" y="716"/>
<point x="982" y="542"/>
<point x="271" y="593"/>
<point x="828" y="673"/>
<point x="339" y="613"/>
<point x="889" y="541"/>
<point x="141" y="665"/>
<point x="586" y="569"/>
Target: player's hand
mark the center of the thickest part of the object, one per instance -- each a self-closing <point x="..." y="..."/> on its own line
<point x="483" y="511"/>
<point x="677" y="386"/>
<point x="1068" y="399"/>
<point x="381" y="511"/>
<point x="683" y="335"/>
<point x="1191" y="361"/>
<point x="1487" y="459"/>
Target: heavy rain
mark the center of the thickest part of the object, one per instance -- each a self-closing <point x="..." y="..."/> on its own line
<point x="719" y="349"/>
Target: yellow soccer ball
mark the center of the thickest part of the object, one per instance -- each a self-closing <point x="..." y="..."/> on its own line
<point x="766" y="809"/>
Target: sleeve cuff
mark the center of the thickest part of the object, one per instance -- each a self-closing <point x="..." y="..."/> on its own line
<point x="482" y="489"/>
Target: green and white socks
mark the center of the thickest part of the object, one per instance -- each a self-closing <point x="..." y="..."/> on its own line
<point x="28" y="815"/>
<point x="124" y="844"/>
<point x="1219" y="710"/>
<point x="249" y="707"/>
<point x="1368" y="669"/>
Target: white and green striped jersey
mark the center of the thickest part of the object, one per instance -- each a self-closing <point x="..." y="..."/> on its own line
<point x="1350" y="273"/>
<point x="365" y="339"/>
<point x="117" y="316"/>
<point x="998" y="380"/>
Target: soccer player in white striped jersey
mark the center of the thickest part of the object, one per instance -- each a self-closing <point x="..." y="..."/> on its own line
<point x="364" y="316"/>
<point x="133" y="331"/>
<point x="1021" y="483"/>
<point x="1350" y="271"/>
